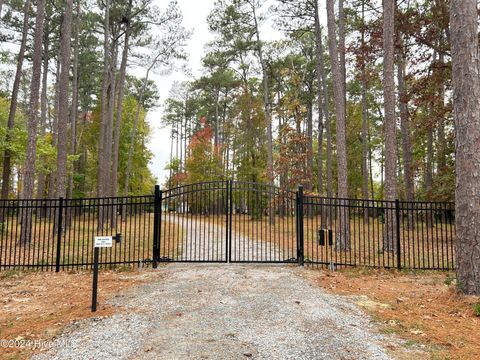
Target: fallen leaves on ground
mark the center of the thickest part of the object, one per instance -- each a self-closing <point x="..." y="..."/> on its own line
<point x="38" y="305"/>
<point x="419" y="307"/>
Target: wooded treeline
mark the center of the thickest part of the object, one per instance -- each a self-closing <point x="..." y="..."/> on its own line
<point x="381" y="100"/>
<point x="359" y="108"/>
<point x="72" y="105"/>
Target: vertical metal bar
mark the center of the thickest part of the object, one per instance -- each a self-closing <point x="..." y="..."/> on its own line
<point x="230" y="193"/>
<point x="227" y="230"/>
<point x="452" y="232"/>
<point x="435" y="216"/>
<point x="95" y="279"/>
<point x="160" y="224"/>
<point x="198" y="203"/>
<point x="397" y="216"/>
<point x="300" y="226"/>
<point x="297" y="227"/>
<point x="156" y="224"/>
<point x="59" y="234"/>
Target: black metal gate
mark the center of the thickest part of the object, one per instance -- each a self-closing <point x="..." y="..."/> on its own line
<point x="226" y="221"/>
<point x="235" y="221"/>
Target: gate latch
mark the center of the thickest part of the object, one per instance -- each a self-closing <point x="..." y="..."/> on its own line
<point x="117" y="238"/>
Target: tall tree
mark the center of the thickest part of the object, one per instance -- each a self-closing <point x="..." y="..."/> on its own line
<point x="364" y="108"/>
<point x="29" y="168"/>
<point x="63" y="103"/>
<point x="165" y="51"/>
<point x="103" y="162"/>
<point x="320" y="95"/>
<point x="254" y="4"/>
<point x="390" y="120"/>
<point x="405" y="130"/>
<point x="121" y="91"/>
<point x="41" y="178"/>
<point x="343" y="231"/>
<point x="75" y="86"/>
<point x="466" y="105"/>
<point x="7" y="155"/>
<point x="341" y="47"/>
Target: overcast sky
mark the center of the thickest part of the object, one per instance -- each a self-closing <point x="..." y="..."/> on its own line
<point x="195" y="13"/>
<point x="194" y="18"/>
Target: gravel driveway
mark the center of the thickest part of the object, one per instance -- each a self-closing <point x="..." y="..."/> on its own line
<point x="206" y="241"/>
<point x="227" y="311"/>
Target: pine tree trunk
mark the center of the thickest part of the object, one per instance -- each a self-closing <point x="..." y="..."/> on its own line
<point x="364" y="117"/>
<point x="109" y="131"/>
<point x="119" y="113"/>
<point x="370" y="166"/>
<point x="343" y="225"/>
<point x="320" y="70"/>
<point x="309" y="150"/>
<point x="6" y="171"/>
<point x="429" y="162"/>
<point x="74" y="113"/>
<point x="52" y="176"/>
<point x="406" y="136"/>
<point x="134" y="131"/>
<point x="266" y="100"/>
<point x="44" y="106"/>
<point x="216" y="138"/>
<point x="442" y="143"/>
<point x="466" y="107"/>
<point x="389" y="243"/>
<point x="63" y="105"/>
<point x="102" y="164"/>
<point x="185" y="135"/>
<point x="111" y="114"/>
<point x="341" y="48"/>
<point x="31" y="152"/>
<point x="326" y="102"/>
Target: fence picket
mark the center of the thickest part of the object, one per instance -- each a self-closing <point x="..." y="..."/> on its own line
<point x="227" y="221"/>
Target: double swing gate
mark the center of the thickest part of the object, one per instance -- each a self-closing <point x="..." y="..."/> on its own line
<point x="227" y="221"/>
<point x="234" y="221"/>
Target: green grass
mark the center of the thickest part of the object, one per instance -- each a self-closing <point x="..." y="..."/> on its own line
<point x="476" y="309"/>
<point x="10" y="273"/>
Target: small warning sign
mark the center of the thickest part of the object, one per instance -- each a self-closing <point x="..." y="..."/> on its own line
<point x="103" y="241"/>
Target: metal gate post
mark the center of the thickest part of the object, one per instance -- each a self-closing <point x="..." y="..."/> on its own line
<point x="397" y="218"/>
<point x="157" y="199"/>
<point x="230" y="211"/>
<point x="227" y="222"/>
<point x="300" y="254"/>
<point x="59" y="234"/>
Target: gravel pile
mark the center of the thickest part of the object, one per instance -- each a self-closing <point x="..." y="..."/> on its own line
<point x="200" y="311"/>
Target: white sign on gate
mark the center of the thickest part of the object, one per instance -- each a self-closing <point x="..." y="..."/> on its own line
<point x="103" y="241"/>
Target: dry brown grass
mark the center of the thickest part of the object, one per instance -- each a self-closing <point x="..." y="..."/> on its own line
<point x="422" y="247"/>
<point x="426" y="248"/>
<point x="77" y="242"/>
<point x="37" y="306"/>
<point x="419" y="307"/>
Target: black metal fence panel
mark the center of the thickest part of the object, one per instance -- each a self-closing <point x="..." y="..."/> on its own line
<point x="59" y="234"/>
<point x="382" y="234"/>
<point x="227" y="221"/>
